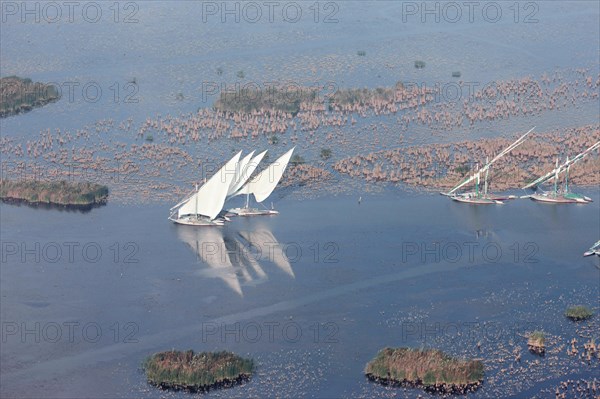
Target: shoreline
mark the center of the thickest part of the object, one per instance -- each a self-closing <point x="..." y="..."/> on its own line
<point x="226" y="383"/>
<point x="53" y="205"/>
<point x="59" y="193"/>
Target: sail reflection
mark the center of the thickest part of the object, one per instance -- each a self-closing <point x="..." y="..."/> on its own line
<point x="238" y="258"/>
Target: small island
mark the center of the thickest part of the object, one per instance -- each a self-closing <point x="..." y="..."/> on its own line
<point x="19" y="95"/>
<point x="271" y="99"/>
<point x="196" y="372"/>
<point x="536" y="342"/>
<point x="430" y="369"/>
<point x="579" y="312"/>
<point x="75" y="194"/>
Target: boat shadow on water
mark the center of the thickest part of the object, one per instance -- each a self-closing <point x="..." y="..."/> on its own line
<point x="239" y="258"/>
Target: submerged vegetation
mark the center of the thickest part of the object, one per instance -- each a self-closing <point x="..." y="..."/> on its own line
<point x="19" y="95"/>
<point x="297" y="160"/>
<point x="431" y="369"/>
<point x="343" y="97"/>
<point x="249" y="100"/>
<point x="441" y="165"/>
<point x="579" y="312"/>
<point x="325" y="154"/>
<point x="59" y="192"/>
<point x="196" y="371"/>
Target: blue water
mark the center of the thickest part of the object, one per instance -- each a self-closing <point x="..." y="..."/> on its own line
<point x="85" y="297"/>
<point x="363" y="276"/>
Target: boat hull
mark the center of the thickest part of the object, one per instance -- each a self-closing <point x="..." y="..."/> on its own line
<point x="560" y="199"/>
<point x="487" y="199"/>
<point x="476" y="201"/>
<point x="252" y="212"/>
<point x="193" y="221"/>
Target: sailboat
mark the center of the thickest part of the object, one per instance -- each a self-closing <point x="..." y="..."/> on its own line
<point x="594" y="250"/>
<point x="262" y="185"/>
<point x="479" y="196"/>
<point x="203" y="207"/>
<point x="558" y="196"/>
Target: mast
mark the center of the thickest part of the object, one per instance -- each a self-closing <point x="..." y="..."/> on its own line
<point x="485" y="168"/>
<point x="485" y="187"/>
<point x="477" y="177"/>
<point x="196" y="213"/>
<point x="558" y="169"/>
<point x="567" y="177"/>
<point x="556" y="178"/>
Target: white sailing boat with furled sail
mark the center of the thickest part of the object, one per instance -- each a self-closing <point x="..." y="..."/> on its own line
<point x="479" y="196"/>
<point x="203" y="207"/>
<point x="558" y="196"/>
<point x="262" y="185"/>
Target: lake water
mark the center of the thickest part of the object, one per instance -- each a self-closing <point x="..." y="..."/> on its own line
<point x="313" y="293"/>
<point x="312" y="296"/>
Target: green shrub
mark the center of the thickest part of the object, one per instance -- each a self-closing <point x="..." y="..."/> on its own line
<point x="325" y="154"/>
<point x="54" y="192"/>
<point x="297" y="160"/>
<point x="579" y="312"/>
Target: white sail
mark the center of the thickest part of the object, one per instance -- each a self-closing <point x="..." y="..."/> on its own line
<point x="240" y="169"/>
<point x="245" y="173"/>
<point x="209" y="199"/>
<point x="263" y="184"/>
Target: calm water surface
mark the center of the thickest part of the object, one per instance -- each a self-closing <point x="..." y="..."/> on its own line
<point x="312" y="294"/>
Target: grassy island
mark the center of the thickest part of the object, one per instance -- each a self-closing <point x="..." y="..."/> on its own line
<point x="53" y="192"/>
<point x="579" y="312"/>
<point x="249" y="100"/>
<point x="536" y="342"/>
<point x="195" y="372"/>
<point x="430" y="369"/>
<point x="21" y="95"/>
